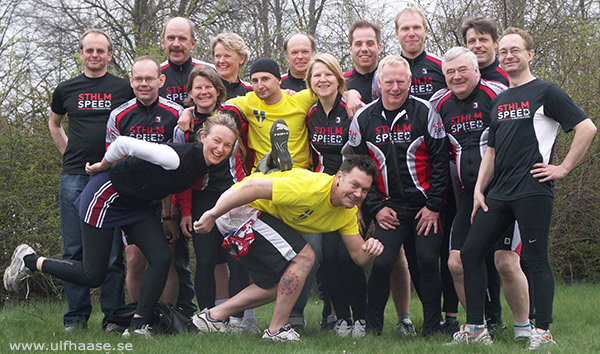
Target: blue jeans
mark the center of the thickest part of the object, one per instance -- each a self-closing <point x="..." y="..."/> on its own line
<point x="112" y="294"/>
<point x="315" y="241"/>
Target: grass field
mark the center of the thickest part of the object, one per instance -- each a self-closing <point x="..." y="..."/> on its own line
<point x="576" y="329"/>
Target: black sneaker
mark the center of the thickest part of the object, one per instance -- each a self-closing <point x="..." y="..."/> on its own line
<point x="280" y="155"/>
<point x="494" y="329"/>
<point x="450" y="326"/>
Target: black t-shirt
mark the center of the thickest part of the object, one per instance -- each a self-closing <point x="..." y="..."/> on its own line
<point x="87" y="103"/>
<point x="327" y="134"/>
<point x="524" y="124"/>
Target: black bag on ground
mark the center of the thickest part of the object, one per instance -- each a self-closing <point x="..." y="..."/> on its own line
<point x="165" y="319"/>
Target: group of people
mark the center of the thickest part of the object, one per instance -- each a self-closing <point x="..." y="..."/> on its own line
<point x="447" y="159"/>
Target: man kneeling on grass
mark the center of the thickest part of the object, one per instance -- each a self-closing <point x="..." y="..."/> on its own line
<point x="264" y="216"/>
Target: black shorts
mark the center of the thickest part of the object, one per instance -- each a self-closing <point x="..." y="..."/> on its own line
<point x="510" y="241"/>
<point x="274" y="246"/>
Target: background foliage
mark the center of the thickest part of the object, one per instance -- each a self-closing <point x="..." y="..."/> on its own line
<point x="38" y="48"/>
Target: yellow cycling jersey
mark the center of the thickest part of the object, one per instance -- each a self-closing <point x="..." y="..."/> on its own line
<point x="260" y="116"/>
<point x="301" y="199"/>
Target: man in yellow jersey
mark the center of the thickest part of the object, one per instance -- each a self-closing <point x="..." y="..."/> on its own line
<point x="271" y="211"/>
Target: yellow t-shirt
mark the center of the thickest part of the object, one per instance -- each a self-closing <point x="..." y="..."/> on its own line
<point x="301" y="199"/>
<point x="293" y="109"/>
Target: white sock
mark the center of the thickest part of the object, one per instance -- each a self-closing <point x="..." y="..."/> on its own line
<point x="522" y="329"/>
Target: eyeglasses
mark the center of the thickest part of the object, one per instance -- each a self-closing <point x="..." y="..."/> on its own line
<point x="139" y="80"/>
<point x="513" y="51"/>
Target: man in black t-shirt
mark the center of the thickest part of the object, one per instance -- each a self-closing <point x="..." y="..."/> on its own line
<point x="517" y="173"/>
<point x="86" y="101"/>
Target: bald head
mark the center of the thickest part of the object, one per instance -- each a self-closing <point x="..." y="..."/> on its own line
<point x="178" y="39"/>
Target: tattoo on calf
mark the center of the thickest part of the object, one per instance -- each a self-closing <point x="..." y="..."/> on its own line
<point x="289" y="282"/>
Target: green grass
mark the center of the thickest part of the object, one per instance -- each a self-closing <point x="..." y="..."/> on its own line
<point x="576" y="329"/>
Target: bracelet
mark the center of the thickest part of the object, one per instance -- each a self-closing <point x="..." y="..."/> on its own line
<point x="169" y="217"/>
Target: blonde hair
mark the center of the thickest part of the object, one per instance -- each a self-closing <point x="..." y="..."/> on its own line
<point x="332" y="64"/>
<point x="394" y="60"/>
<point x="231" y="41"/>
<point x="414" y="10"/>
<point x="219" y="118"/>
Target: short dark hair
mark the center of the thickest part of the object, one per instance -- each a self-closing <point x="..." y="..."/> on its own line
<point x="480" y="24"/>
<point x="362" y="162"/>
<point x="311" y="39"/>
<point x="364" y="24"/>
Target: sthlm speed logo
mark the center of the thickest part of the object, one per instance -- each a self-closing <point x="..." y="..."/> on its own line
<point x="438" y="131"/>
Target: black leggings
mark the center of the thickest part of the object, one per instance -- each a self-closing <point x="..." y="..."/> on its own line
<point x="210" y="253"/>
<point x="146" y="234"/>
<point x="425" y="251"/>
<point x="533" y="215"/>
<point x="345" y="281"/>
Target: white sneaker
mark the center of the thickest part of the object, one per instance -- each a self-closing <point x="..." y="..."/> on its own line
<point x="342" y="329"/>
<point x="285" y="334"/>
<point x="406" y="328"/>
<point x="359" y="330"/>
<point x="205" y="324"/>
<point x="464" y="336"/>
<point x="141" y="332"/>
<point x="17" y="271"/>
<point x="540" y="338"/>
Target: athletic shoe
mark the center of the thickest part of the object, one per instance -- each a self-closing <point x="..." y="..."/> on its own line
<point x="359" y="330"/>
<point x="540" y="338"/>
<point x="140" y="332"/>
<point x="494" y="329"/>
<point x="406" y="328"/>
<point x="450" y="326"/>
<point x="111" y="327"/>
<point x="328" y="322"/>
<point x="342" y="329"/>
<point x="285" y="334"/>
<point x="17" y="271"/>
<point x="280" y="155"/>
<point x="464" y="336"/>
<point x="205" y="324"/>
<point x="522" y="333"/>
<point x="77" y="325"/>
